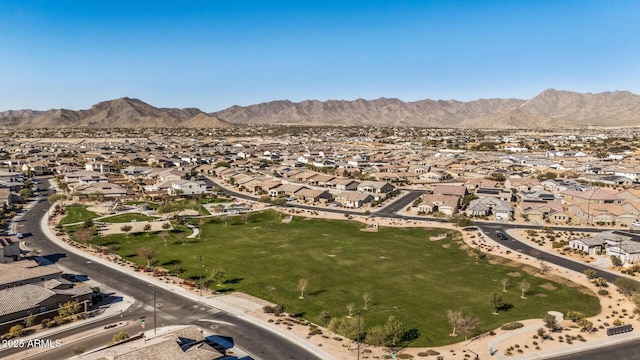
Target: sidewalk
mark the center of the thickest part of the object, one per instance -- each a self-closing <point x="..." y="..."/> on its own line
<point x="225" y="303"/>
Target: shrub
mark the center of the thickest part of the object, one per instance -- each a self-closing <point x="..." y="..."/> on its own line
<point x="603" y="292"/>
<point x="16" y="330"/>
<point x="47" y="323"/>
<point x="512" y="326"/>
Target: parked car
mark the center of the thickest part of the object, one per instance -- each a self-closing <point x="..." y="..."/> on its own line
<point x="636" y="223"/>
<point x="20" y="235"/>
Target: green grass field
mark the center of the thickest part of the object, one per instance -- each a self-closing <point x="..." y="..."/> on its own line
<point x="127" y="217"/>
<point x="77" y="214"/>
<point x="407" y="274"/>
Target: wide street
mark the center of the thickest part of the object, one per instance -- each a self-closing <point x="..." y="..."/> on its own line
<point x="172" y="309"/>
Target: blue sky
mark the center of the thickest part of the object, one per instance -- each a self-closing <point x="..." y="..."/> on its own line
<point x="215" y="54"/>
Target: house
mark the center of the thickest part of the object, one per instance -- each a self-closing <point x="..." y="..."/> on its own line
<point x="593" y="196"/>
<point x="542" y="210"/>
<point x="375" y="187"/>
<point x="353" y="199"/>
<point x="445" y="204"/>
<point x="345" y="184"/>
<point x="459" y="190"/>
<point x="285" y="190"/>
<point x="9" y="249"/>
<point x="176" y="343"/>
<point x="590" y="213"/>
<point x="498" y="193"/>
<point x="521" y="184"/>
<point x="488" y="206"/>
<point x="187" y="187"/>
<point x="26" y="272"/>
<point x="313" y="195"/>
<point x="590" y="245"/>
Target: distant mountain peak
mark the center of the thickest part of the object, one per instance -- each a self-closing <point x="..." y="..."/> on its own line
<point x="550" y="108"/>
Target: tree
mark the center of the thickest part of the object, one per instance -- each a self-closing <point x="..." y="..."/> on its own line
<point x="366" y="297"/>
<point x="324" y="317"/>
<point x="126" y="228"/>
<point x="616" y="261"/>
<point x="376" y="336"/>
<point x="600" y="282"/>
<point x="585" y="325"/>
<point x="346" y="326"/>
<point x="468" y="325"/>
<point x="460" y="220"/>
<point x="26" y="193"/>
<point x="395" y="331"/>
<point x="52" y="199"/>
<point x="455" y="319"/>
<point x="122" y="335"/>
<point x="504" y="282"/>
<point x="635" y="299"/>
<point x="302" y="286"/>
<point x="495" y="299"/>
<point x="217" y="275"/>
<point x="627" y="286"/>
<point x="16" y="330"/>
<point x="467" y="199"/>
<point x="29" y="321"/>
<point x="147" y="253"/>
<point x="69" y="308"/>
<point x="83" y="235"/>
<point x="590" y="273"/>
<point x="524" y="286"/>
<point x="550" y="322"/>
<point x="166" y="226"/>
<point x="147" y="227"/>
<point x="225" y="218"/>
<point x="350" y="307"/>
<point x="163" y="235"/>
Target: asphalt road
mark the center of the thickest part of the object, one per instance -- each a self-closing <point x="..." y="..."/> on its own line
<point x="626" y="351"/>
<point x="174" y="309"/>
<point x="490" y="230"/>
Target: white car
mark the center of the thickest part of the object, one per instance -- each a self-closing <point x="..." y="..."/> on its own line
<point x="636" y="223"/>
<point x="20" y="236"/>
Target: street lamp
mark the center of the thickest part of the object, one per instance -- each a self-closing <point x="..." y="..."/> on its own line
<point x="200" y="256"/>
<point x="358" y="335"/>
<point x="154" y="308"/>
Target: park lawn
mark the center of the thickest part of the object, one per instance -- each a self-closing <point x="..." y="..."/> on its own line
<point x="128" y="217"/>
<point x="407" y="274"/>
<point x="76" y="214"/>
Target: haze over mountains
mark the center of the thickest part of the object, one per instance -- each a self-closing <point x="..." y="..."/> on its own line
<point x="549" y="109"/>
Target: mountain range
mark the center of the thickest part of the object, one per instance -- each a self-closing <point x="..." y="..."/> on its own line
<point x="549" y="109"/>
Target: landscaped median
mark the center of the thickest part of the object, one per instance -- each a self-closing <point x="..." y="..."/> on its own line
<point x="414" y="274"/>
